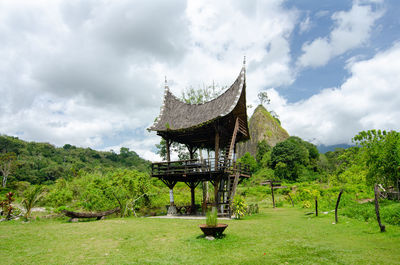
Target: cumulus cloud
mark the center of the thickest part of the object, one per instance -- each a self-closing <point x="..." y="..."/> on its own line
<point x="368" y="99"/>
<point x="90" y="73"/>
<point x="352" y="29"/>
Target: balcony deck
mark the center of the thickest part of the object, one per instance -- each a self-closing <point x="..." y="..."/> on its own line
<point x="199" y="170"/>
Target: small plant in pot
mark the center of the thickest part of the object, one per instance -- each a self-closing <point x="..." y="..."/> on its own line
<point x="212" y="228"/>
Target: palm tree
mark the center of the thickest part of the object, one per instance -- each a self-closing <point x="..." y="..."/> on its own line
<point x="31" y="197"/>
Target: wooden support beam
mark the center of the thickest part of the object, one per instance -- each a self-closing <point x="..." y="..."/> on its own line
<point x="216" y="194"/>
<point x="192" y="200"/>
<point x="192" y="186"/>
<point x="216" y="150"/>
<point x="167" y="146"/>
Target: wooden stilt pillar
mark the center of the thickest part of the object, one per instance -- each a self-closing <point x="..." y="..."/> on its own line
<point x="192" y="186"/>
<point x="193" y="203"/>
<point x="216" y="181"/>
<point x="216" y="149"/>
<point x="167" y="146"/>
<point x="216" y="193"/>
<point x="172" y="208"/>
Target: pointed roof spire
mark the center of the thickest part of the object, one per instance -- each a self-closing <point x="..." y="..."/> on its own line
<point x="166" y="83"/>
<point x="244" y="61"/>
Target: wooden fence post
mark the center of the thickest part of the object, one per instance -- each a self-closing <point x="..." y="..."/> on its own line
<point x="290" y="197"/>
<point x="316" y="206"/>
<point x="337" y="205"/>
<point x="272" y="192"/>
<point x="378" y="217"/>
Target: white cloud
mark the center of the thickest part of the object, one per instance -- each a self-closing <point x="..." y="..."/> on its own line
<point x="141" y="146"/>
<point x="352" y="29"/>
<point x="87" y="72"/>
<point x="305" y="25"/>
<point x="368" y="99"/>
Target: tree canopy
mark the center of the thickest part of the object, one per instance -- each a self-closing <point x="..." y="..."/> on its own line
<point x="382" y="155"/>
<point x="290" y="157"/>
<point x="41" y="163"/>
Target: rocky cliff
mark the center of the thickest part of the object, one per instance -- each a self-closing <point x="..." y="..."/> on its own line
<point x="262" y="126"/>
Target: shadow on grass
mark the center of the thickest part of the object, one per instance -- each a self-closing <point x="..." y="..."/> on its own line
<point x="216" y="237"/>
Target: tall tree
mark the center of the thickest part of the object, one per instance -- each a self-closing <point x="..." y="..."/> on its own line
<point x="263" y="97"/>
<point x="6" y="165"/>
<point x="382" y="154"/>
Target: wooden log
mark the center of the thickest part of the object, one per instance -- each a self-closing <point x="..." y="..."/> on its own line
<point x="378" y="217"/>
<point x="337" y="205"/>
<point x="89" y="215"/>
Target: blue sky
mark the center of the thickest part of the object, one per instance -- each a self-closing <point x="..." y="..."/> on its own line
<point x="310" y="81"/>
<point x="91" y="73"/>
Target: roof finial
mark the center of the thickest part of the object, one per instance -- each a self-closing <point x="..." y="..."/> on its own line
<point x="244" y="60"/>
<point x="165" y="83"/>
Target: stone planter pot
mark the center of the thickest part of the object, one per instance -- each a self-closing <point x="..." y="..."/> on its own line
<point x="214" y="231"/>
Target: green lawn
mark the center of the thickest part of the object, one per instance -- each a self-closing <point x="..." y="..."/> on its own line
<point x="276" y="236"/>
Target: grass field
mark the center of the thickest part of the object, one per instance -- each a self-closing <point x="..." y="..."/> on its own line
<point x="276" y="236"/>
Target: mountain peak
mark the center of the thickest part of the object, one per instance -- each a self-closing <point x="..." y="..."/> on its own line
<point x="262" y="126"/>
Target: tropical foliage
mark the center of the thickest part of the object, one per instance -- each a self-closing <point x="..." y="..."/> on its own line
<point x="382" y="156"/>
<point x="43" y="163"/>
<point x="239" y="207"/>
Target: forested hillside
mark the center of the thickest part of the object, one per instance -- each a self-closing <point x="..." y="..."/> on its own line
<point x="43" y="163"/>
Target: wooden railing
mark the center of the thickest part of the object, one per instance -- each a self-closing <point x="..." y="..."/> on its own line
<point x="191" y="166"/>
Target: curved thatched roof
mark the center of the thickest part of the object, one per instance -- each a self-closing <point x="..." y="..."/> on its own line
<point x="176" y="115"/>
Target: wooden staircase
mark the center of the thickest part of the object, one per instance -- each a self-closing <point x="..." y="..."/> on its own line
<point x="227" y="186"/>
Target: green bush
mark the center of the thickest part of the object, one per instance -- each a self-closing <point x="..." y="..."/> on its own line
<point x="389" y="211"/>
<point x="239" y="207"/>
<point x="279" y="203"/>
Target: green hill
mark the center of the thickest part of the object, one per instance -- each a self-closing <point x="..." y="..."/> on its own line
<point x="262" y="126"/>
<point x="40" y="163"/>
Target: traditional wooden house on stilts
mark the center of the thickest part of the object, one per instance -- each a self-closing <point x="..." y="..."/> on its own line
<point x="215" y="125"/>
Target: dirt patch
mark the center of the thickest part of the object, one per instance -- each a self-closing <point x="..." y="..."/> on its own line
<point x="362" y="201"/>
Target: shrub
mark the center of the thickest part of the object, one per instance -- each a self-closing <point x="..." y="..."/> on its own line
<point x="252" y="209"/>
<point x="306" y="204"/>
<point x="279" y="203"/>
<point x="239" y="207"/>
<point x="249" y="160"/>
<point x="6" y="206"/>
<point x="391" y="213"/>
